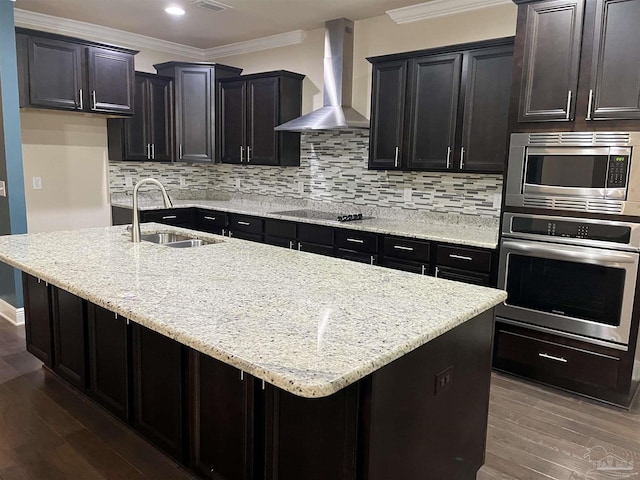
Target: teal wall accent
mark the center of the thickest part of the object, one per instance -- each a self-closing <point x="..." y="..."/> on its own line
<point x="13" y="212"/>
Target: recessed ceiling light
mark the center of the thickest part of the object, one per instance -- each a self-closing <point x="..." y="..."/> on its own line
<point x="174" y="10"/>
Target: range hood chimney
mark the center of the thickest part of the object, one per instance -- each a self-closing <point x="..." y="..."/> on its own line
<point x="337" y="112"/>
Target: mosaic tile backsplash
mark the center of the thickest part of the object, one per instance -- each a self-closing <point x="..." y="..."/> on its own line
<point x="333" y="168"/>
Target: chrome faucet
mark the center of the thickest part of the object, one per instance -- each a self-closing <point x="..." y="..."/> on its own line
<point x="135" y="226"/>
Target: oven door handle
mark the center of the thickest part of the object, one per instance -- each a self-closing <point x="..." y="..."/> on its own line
<point x="567" y="252"/>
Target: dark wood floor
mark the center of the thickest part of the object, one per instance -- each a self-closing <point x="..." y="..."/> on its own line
<point x="49" y="432"/>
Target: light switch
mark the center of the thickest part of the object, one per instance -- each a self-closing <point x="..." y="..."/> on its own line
<point x="408" y="194"/>
<point x="37" y="183"/>
<point x="301" y="187"/>
<point x="497" y="200"/>
<point x="128" y="182"/>
<point x="238" y="183"/>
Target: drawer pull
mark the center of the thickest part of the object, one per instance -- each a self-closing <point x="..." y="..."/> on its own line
<point x="243" y="223"/>
<point x="210" y="218"/>
<point x="423" y="270"/>
<point x="460" y="257"/>
<point x="402" y="247"/>
<point x="551" y="357"/>
<point x="169" y="217"/>
<point x="355" y="240"/>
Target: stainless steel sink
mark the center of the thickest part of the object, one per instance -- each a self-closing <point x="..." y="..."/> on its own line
<point x="174" y="240"/>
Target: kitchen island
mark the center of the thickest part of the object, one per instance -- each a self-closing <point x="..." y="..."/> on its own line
<point x="242" y="360"/>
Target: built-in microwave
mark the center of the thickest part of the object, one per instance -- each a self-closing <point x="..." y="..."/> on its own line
<point x="577" y="171"/>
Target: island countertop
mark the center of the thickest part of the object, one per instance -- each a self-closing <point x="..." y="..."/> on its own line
<point x="308" y="324"/>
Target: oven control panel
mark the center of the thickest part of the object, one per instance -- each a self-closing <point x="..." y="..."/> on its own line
<point x="617" y="174"/>
<point x="571" y="229"/>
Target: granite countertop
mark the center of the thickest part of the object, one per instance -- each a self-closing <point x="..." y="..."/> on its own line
<point x="456" y="229"/>
<point x="305" y="323"/>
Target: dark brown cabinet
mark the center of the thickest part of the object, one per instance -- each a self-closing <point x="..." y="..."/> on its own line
<point x="69" y="337"/>
<point x="195" y="107"/>
<point x="222" y="419"/>
<point x="410" y="255"/>
<point x="246" y="227"/>
<point x="148" y="134"/>
<point x="158" y="391"/>
<point x="38" y="326"/>
<point x="442" y="109"/>
<point x="109" y="364"/>
<point x="280" y="233"/>
<point x="250" y="108"/>
<point x="65" y="73"/>
<point x="179" y="217"/>
<point x="211" y="221"/>
<point x="577" y="62"/>
<point x="464" y="264"/>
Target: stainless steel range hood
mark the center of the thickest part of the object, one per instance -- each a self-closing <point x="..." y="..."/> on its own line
<point x="337" y="112"/>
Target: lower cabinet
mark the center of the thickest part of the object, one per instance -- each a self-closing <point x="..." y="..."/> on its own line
<point x="37" y="312"/>
<point x="69" y="337"/>
<point x="465" y="264"/>
<point x="158" y="392"/>
<point x="222" y="419"/>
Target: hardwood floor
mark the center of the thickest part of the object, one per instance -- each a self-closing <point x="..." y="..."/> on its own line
<point x="49" y="432"/>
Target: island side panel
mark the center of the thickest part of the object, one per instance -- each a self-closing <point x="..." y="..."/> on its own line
<point x="410" y="431"/>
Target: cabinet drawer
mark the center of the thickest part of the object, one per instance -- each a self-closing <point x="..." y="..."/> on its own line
<point x="357" y="241"/>
<point x="355" y="256"/>
<point x="407" y="249"/>
<point x="464" y="258"/>
<point x="462" y="276"/>
<point x="280" y="228"/>
<point x="174" y="216"/>
<point x="211" y="218"/>
<point x="316" y="234"/>
<point x="543" y="360"/>
<point x="245" y="223"/>
<point x="253" y="237"/>
<point x="279" y="242"/>
<point x="406" y="265"/>
<point x="326" y="250"/>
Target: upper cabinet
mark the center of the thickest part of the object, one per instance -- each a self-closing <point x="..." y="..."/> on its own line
<point x="442" y="110"/>
<point x="578" y="63"/>
<point x="250" y="107"/>
<point x="148" y="134"/>
<point x="65" y="73"/>
<point x="195" y="107"/>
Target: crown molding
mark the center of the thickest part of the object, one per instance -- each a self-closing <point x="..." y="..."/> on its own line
<point x="265" y="43"/>
<point x="439" y="8"/>
<point x="89" y="31"/>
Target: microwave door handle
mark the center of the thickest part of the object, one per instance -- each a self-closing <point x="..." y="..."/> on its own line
<point x="561" y="252"/>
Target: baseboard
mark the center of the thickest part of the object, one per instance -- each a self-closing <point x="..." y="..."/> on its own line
<point x="13" y="315"/>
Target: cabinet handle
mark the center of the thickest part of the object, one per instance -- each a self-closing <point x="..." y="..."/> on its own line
<point x="402" y="247"/>
<point x="210" y="218"/>
<point x="93" y="97"/>
<point x="590" y="106"/>
<point x="81" y="100"/>
<point x="223" y="232"/>
<point x="241" y="375"/>
<point x="230" y="233"/>
<point x="153" y="151"/>
<point x="248" y="153"/>
<point x="422" y="270"/>
<point x="568" y="117"/>
<point x="551" y="357"/>
<point x="461" y="158"/>
<point x="148" y="152"/>
<point x="180" y="152"/>
<point x="241" y="154"/>
<point x="244" y="223"/>
<point x="372" y="259"/>
<point x="355" y="240"/>
<point x="437" y="272"/>
<point x="395" y="161"/>
<point x="448" y="157"/>
<point x="299" y="246"/>
<point x="460" y="257"/>
<point x="169" y="217"/>
<point x="290" y="244"/>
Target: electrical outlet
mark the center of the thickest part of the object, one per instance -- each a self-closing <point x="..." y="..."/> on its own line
<point x="3" y="189"/>
<point x="183" y="181"/>
<point x="238" y="183"/>
<point x="37" y="183"/>
<point x="128" y="182"/>
<point x="301" y="187"/>
<point x="408" y="194"/>
<point x="444" y="380"/>
<point x="497" y="200"/>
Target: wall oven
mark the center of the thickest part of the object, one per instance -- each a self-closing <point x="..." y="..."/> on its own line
<point x="579" y="171"/>
<point x="573" y="277"/>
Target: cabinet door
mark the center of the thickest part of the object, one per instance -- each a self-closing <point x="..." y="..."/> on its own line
<point x="388" y="94"/>
<point x="194" y="128"/>
<point x="109" y="360"/>
<point x="160" y="124"/>
<point x="262" y="117"/>
<point x="55" y="74"/>
<point x="136" y="139"/>
<point x="222" y="419"/>
<point x="37" y="318"/>
<point x="434" y="88"/>
<point x="111" y="80"/>
<point x="69" y="337"/>
<point x="551" y="60"/>
<point x="487" y="79"/>
<point x="615" y="75"/>
<point x="232" y="121"/>
<point x="157" y="389"/>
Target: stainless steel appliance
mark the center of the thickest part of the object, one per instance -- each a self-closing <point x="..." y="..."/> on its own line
<point x="577" y="171"/>
<point x="573" y="277"/>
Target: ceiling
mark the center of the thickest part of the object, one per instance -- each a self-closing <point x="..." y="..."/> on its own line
<point x="204" y="28"/>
